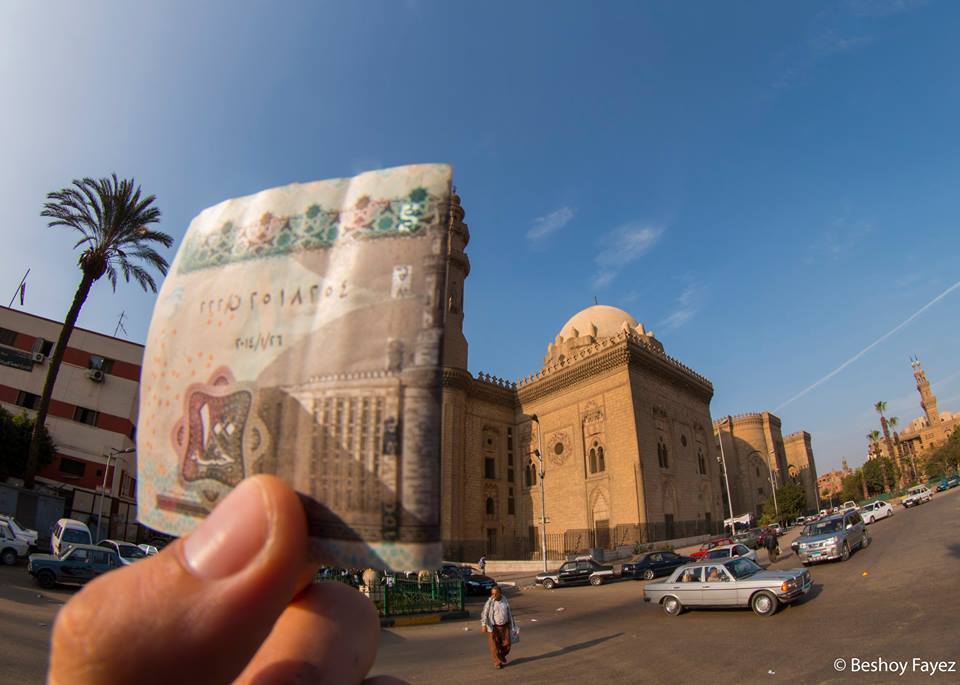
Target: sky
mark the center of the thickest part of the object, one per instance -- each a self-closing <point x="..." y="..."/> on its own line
<point x="770" y="187"/>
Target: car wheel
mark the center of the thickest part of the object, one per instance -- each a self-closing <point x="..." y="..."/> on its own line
<point x="764" y="604"/>
<point x="845" y="554"/>
<point x="595" y="580"/>
<point x="871" y="520"/>
<point x="805" y="563"/>
<point x="9" y="557"/>
<point x="548" y="583"/>
<point x="672" y="606"/>
<point x="866" y="541"/>
<point x="648" y="574"/>
<point x="46" y="579"/>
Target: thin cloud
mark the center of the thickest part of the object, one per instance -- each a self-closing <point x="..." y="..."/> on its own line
<point x="883" y="8"/>
<point x="840" y="238"/>
<point x="621" y="247"/>
<point x="869" y="347"/>
<point x="687" y="307"/>
<point x="550" y="223"/>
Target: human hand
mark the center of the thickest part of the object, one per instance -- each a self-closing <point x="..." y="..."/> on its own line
<point x="231" y="603"/>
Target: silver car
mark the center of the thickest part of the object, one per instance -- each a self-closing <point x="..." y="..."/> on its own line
<point x="833" y="537"/>
<point x="732" y="583"/>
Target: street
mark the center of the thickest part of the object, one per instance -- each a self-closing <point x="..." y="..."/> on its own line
<point x="905" y="607"/>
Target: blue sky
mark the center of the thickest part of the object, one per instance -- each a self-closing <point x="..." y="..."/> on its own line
<point x="769" y="187"/>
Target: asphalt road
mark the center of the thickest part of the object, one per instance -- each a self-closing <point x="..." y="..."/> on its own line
<point x="907" y="606"/>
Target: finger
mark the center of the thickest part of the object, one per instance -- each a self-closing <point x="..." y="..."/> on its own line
<point x="328" y="634"/>
<point x="198" y="611"/>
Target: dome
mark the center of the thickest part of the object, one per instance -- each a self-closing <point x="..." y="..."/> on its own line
<point x="608" y="321"/>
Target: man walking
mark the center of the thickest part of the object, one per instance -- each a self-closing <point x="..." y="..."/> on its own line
<point x="482" y="564"/>
<point x="496" y="620"/>
<point x="773" y="547"/>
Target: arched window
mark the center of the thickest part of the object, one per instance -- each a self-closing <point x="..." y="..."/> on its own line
<point x="490" y="510"/>
<point x="601" y="466"/>
<point x="701" y="462"/>
<point x="593" y="460"/>
<point x="662" y="456"/>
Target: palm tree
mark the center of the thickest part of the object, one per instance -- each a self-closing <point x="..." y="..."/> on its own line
<point x="113" y="220"/>
<point x="874" y="438"/>
<point x="881" y="407"/>
<point x="892" y="422"/>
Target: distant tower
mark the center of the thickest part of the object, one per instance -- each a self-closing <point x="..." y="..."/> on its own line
<point x="458" y="267"/>
<point x="928" y="401"/>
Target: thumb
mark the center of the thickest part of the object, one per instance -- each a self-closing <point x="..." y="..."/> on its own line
<point x="198" y="611"/>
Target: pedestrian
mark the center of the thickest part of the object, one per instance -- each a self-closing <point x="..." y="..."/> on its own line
<point x="482" y="564"/>
<point x="773" y="547"/>
<point x="496" y="620"/>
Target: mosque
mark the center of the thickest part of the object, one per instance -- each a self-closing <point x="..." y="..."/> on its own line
<point x="614" y="432"/>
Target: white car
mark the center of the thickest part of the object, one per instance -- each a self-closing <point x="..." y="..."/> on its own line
<point x="28" y="535"/>
<point x="875" y="511"/>
<point x="69" y="532"/>
<point x="918" y="494"/>
<point x="731" y="551"/>
<point x="127" y="551"/>
<point x="11" y="547"/>
<point x="850" y="504"/>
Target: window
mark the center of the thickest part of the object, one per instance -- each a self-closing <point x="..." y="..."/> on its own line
<point x="759" y="491"/>
<point x="79" y="555"/>
<point x="511" y="506"/>
<point x="597" y="464"/>
<point x="72" y="467"/>
<point x="701" y="462"/>
<point x="45" y="347"/>
<point x="662" y="456"/>
<point x="691" y="575"/>
<point x="490" y="506"/>
<point x="84" y="415"/>
<point x="28" y="400"/>
<point x="99" y="363"/>
<point x="716" y="574"/>
<point x="758" y="471"/>
<point x="7" y="337"/>
<point x="683" y="440"/>
<point x="569" y="566"/>
<point x="489" y="467"/>
<point x="100" y="557"/>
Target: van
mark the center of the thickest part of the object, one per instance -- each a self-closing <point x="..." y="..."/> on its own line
<point x="69" y="532"/>
<point x="918" y="494"/>
<point x="11" y="547"/>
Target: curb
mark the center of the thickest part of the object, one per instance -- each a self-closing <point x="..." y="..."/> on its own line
<point x="422" y="619"/>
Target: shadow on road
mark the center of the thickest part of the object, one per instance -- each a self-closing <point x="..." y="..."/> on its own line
<point x="954" y="550"/>
<point x="564" y="650"/>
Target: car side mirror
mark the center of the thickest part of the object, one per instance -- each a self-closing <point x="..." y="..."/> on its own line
<point x="849" y="526"/>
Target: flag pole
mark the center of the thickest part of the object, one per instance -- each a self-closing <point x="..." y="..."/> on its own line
<point x="19" y="290"/>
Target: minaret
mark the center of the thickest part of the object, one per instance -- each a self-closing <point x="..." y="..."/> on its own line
<point x="458" y="267"/>
<point x="928" y="401"/>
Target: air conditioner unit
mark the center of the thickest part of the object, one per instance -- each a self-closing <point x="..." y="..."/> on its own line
<point x="39" y="357"/>
<point x="96" y="375"/>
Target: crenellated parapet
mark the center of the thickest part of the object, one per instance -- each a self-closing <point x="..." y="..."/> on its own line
<point x="756" y="418"/>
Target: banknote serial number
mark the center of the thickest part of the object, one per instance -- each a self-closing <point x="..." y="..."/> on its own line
<point x="281" y="297"/>
<point x="261" y="341"/>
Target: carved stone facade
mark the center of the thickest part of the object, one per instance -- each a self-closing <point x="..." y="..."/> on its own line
<point x="925" y="433"/>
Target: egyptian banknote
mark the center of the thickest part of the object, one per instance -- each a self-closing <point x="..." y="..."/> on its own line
<point x="299" y="334"/>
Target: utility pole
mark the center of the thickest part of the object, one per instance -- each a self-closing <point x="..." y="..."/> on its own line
<point x="103" y="490"/>
<point x="543" y="510"/>
<point x="726" y="478"/>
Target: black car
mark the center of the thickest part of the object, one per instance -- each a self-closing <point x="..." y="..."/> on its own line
<point x="653" y="564"/>
<point x="580" y="570"/>
<point x="473" y="583"/>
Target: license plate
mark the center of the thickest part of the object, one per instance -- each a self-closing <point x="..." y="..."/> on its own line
<point x="816" y="554"/>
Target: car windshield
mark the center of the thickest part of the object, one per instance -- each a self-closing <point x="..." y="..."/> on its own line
<point x="131" y="552"/>
<point x="824" y="527"/>
<point x="72" y="535"/>
<point x="742" y="568"/>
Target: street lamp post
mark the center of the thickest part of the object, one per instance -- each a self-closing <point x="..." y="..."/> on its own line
<point x="726" y="478"/>
<point x="773" y="487"/>
<point x="103" y="490"/>
<point x="543" y="510"/>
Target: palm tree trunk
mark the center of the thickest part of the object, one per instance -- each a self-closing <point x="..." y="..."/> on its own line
<point x="33" y="456"/>
<point x="889" y="443"/>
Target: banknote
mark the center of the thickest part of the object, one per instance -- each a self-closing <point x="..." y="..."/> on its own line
<point x="298" y="334"/>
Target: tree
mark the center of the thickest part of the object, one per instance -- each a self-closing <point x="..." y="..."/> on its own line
<point x="893" y="421"/>
<point x="851" y="489"/>
<point x="881" y="407"/>
<point x="874" y="438"/>
<point x="113" y="220"/>
<point x="945" y="460"/>
<point x="791" y="502"/>
<point x="15" y="432"/>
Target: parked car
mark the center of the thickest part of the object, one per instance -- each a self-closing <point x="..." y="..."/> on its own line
<point x="653" y="564"/>
<point x="918" y="494"/>
<point x="150" y="550"/>
<point x="833" y="537"/>
<point x="953" y="481"/>
<point x="11" y="547"/>
<point x="875" y="511"/>
<point x="776" y="529"/>
<point x="77" y="564"/>
<point x="69" y="532"/>
<point x="732" y="551"/>
<point x="733" y="583"/>
<point x="849" y="504"/>
<point x="581" y="570"/>
<point x="127" y="551"/>
<point x="473" y="583"/>
<point x="28" y="535"/>
<point x="710" y="544"/>
<point x="752" y="538"/>
<point x="799" y="521"/>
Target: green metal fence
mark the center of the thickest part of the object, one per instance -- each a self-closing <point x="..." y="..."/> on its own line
<point x="399" y="596"/>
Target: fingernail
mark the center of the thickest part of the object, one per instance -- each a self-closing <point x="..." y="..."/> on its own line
<point x="231" y="536"/>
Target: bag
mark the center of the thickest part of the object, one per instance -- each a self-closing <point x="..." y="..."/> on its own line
<point x="514" y="637"/>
